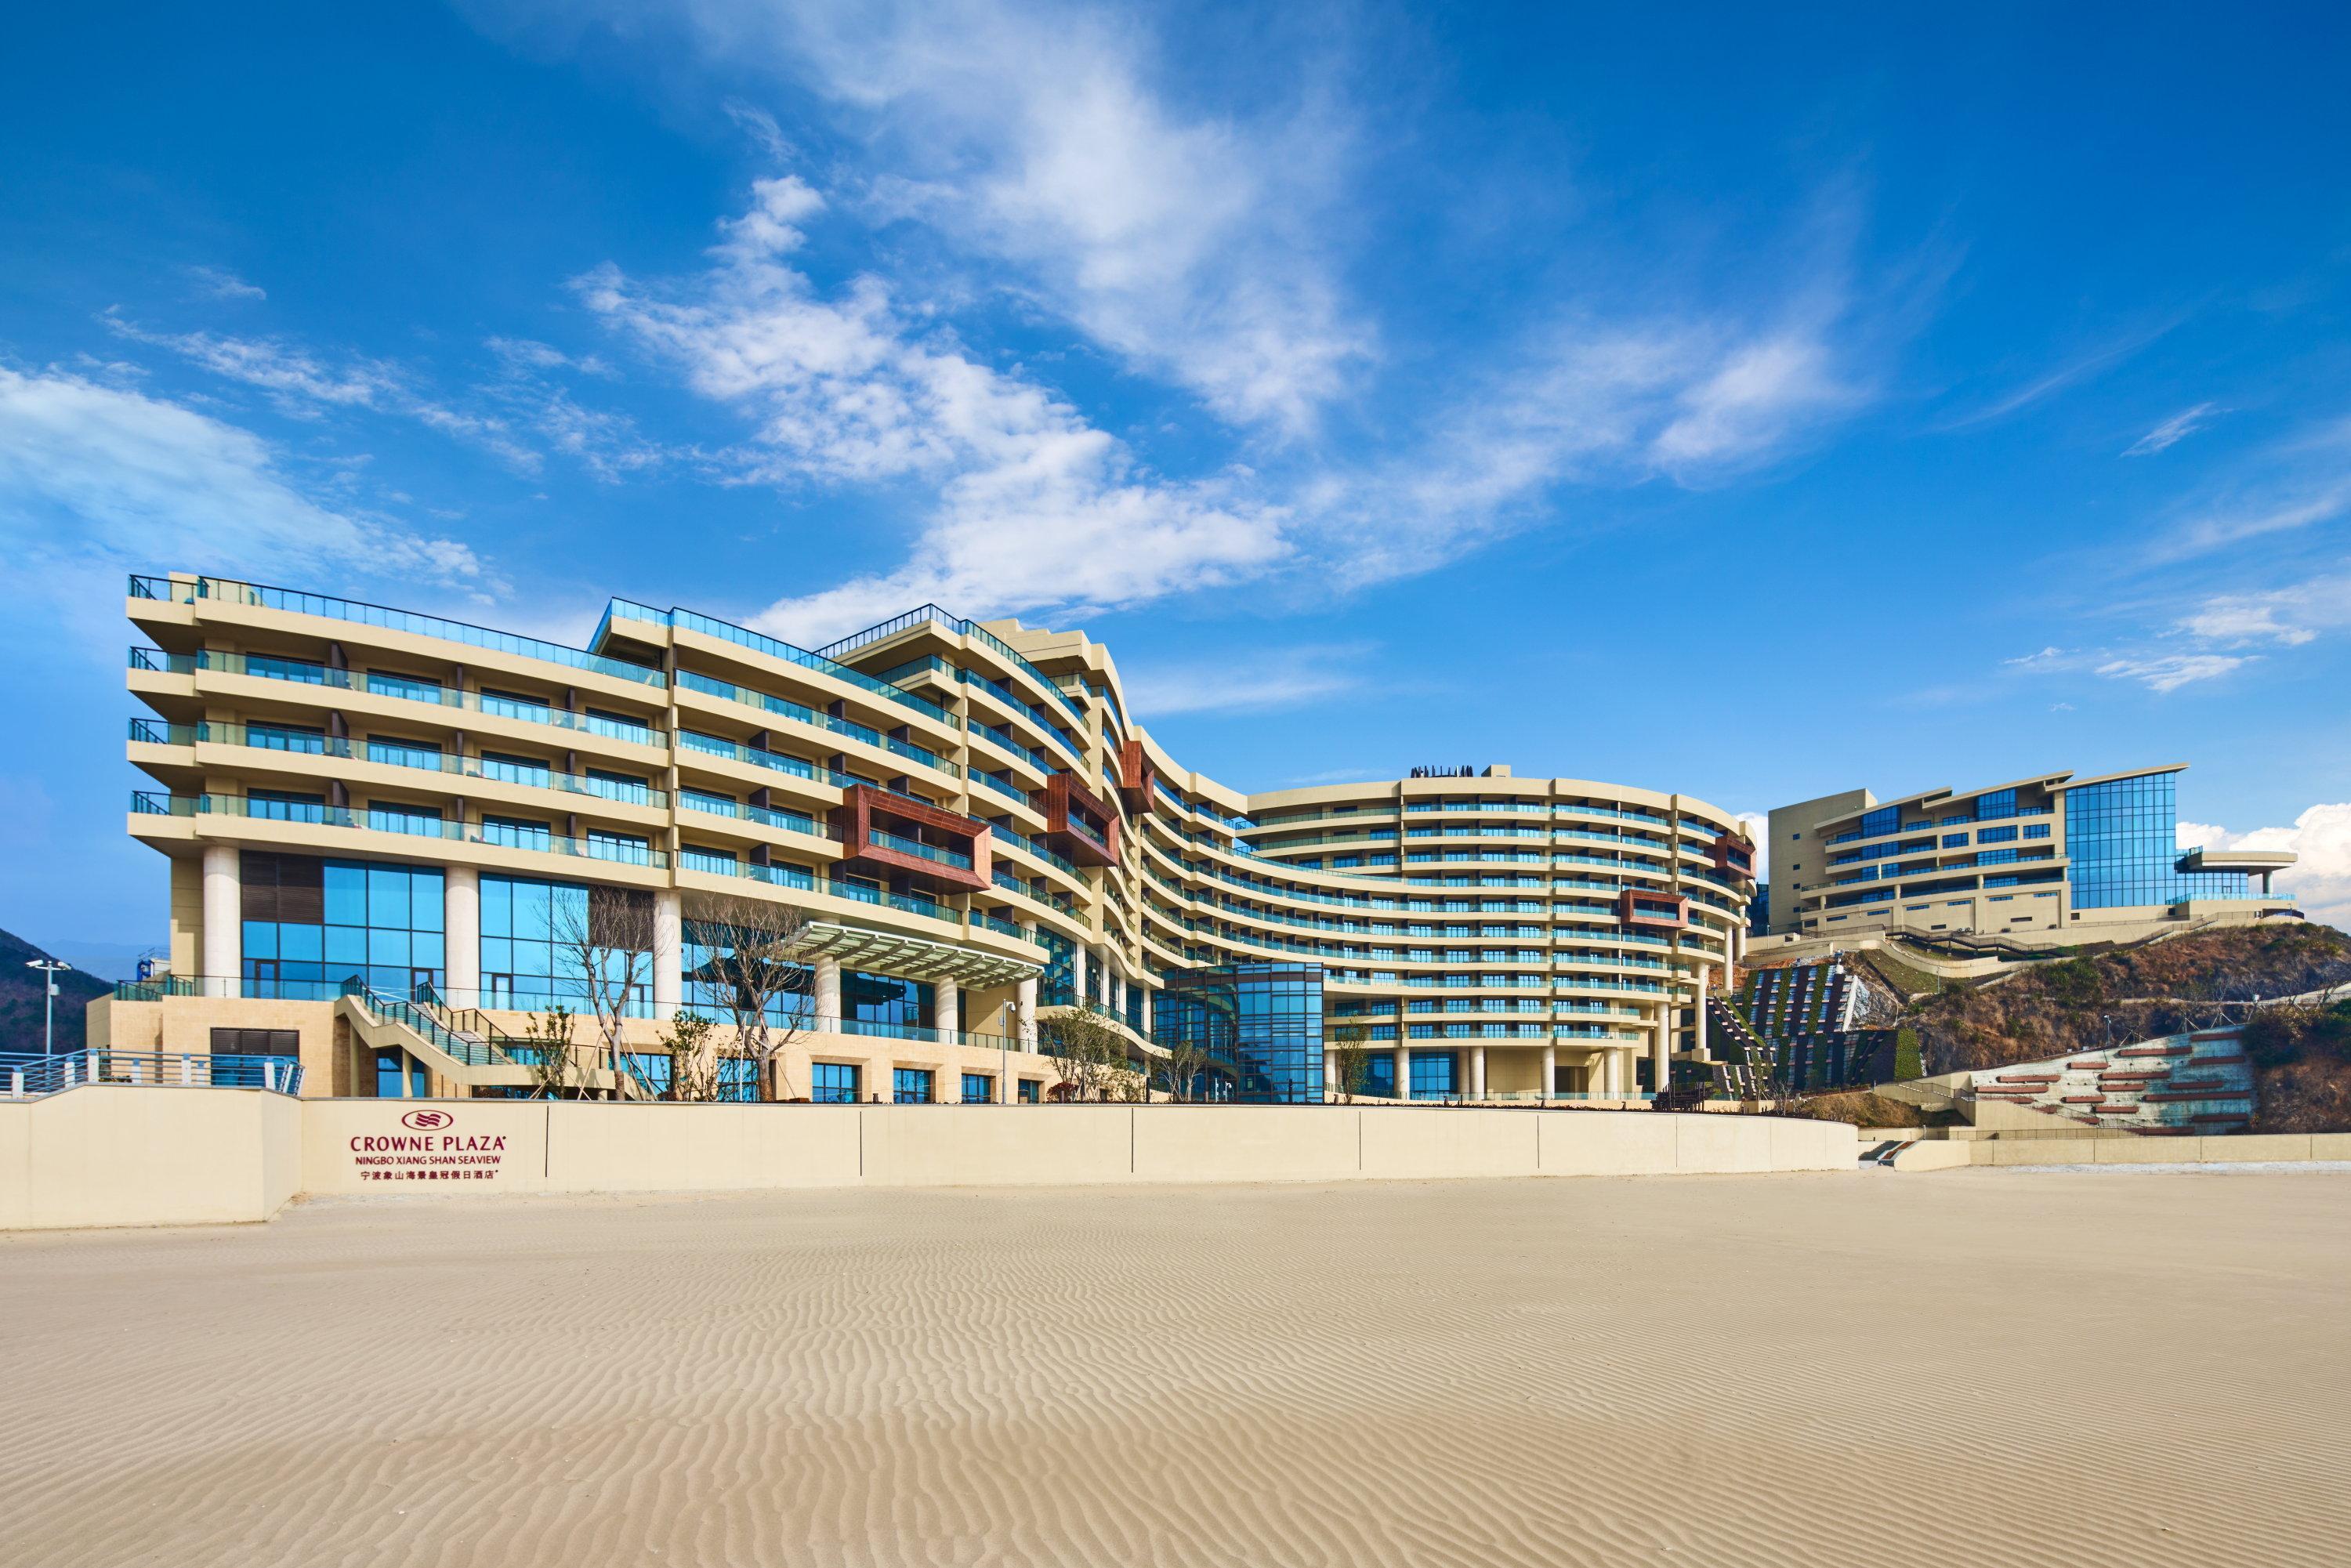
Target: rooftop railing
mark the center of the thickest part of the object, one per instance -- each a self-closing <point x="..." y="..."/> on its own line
<point x="225" y="591"/>
<point x="971" y="629"/>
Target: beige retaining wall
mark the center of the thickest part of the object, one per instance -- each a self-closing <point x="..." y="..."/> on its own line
<point x="2236" y="1148"/>
<point x="112" y="1153"/>
<point x="119" y="1154"/>
<point x="356" y="1146"/>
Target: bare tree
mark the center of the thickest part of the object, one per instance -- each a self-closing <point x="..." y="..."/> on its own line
<point x="549" y="1034"/>
<point x="1186" y="1060"/>
<point x="1087" y="1049"/>
<point x="609" y="937"/>
<point x="691" y="1041"/>
<point x="1351" y="1061"/>
<point x="759" y="962"/>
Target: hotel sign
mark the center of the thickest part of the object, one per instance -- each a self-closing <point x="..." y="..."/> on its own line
<point x="429" y="1147"/>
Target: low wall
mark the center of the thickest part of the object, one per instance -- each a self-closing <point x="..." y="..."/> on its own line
<point x="372" y="1145"/>
<point x="115" y="1154"/>
<point x="2236" y="1148"/>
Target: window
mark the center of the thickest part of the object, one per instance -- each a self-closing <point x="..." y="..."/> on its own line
<point x="1433" y="1076"/>
<point x="309" y="672"/>
<point x="415" y="687"/>
<point x="1955" y="841"/>
<point x="285" y="737"/>
<point x="400" y="817"/>
<point x="513" y="770"/>
<point x="1996" y="836"/>
<point x="910" y="1086"/>
<point x="2037" y="831"/>
<point x="833" y="1083"/>
<point x="404" y="753"/>
<point x="1031" y="1089"/>
<point x="256" y="1043"/>
<point x="515" y="833"/>
<point x="284" y="806"/>
<point x="309" y="925"/>
<point x="2000" y="803"/>
<point x="978" y="1089"/>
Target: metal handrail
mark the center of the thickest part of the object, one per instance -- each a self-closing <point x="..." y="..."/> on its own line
<point x="24" y="1076"/>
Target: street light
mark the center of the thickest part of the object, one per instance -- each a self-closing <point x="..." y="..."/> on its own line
<point x="51" y="968"/>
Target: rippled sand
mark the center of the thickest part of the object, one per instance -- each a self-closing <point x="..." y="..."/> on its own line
<point x="1978" y="1367"/>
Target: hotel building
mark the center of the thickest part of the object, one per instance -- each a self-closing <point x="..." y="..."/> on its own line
<point x="2052" y="857"/>
<point x="386" y="832"/>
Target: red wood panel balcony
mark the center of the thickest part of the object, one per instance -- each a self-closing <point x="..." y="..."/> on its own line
<point x="894" y="834"/>
<point x="1637" y="906"/>
<point x="1733" y="855"/>
<point x="1136" y="776"/>
<point x="1080" y="825"/>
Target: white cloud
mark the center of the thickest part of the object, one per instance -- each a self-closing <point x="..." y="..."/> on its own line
<point x="2226" y="527"/>
<point x="96" y="479"/>
<point x="1033" y="506"/>
<point x="1254" y="681"/>
<point x="2171" y="431"/>
<point x="2288" y="617"/>
<point x="1191" y="244"/>
<point x="2081" y="368"/>
<point x="2320" y="879"/>
<point x="223" y="283"/>
<point x="2169" y="672"/>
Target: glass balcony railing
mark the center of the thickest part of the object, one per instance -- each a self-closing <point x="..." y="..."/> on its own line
<point x="788" y="822"/>
<point x="263" y="738"/>
<point x="970" y="629"/>
<point x="223" y="592"/>
<point x="774" y="648"/>
<point x="383" y="819"/>
<point x="800" y="712"/>
<point x="907" y="846"/>
<point x="441" y="696"/>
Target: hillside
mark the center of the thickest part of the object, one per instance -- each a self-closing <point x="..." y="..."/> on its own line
<point x="20" y="998"/>
<point x="2302" y="1056"/>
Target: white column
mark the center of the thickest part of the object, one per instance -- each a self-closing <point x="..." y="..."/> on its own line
<point x="1330" y="1084"/>
<point x="946" y="1008"/>
<point x="1146" y="1012"/>
<point x="1024" y="1014"/>
<point x="1549" y="1071"/>
<point x="669" y="951"/>
<point x="1703" y="975"/>
<point x="1078" y="976"/>
<point x="461" y="922"/>
<point x="828" y="993"/>
<point x="223" y="922"/>
<point x="1403" y="1073"/>
<point x="1477" y="1073"/>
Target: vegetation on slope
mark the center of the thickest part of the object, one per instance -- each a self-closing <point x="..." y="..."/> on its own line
<point x="2302" y="1056"/>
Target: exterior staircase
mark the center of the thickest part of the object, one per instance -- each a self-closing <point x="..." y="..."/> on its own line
<point x="461" y="1044"/>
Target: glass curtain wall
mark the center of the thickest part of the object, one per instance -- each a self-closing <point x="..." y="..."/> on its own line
<point x="309" y="925"/>
<point x="2123" y="839"/>
<point x="1264" y="1018"/>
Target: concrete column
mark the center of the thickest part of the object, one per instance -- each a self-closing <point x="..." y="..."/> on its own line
<point x="1078" y="975"/>
<point x="1024" y="1013"/>
<point x="669" y="954"/>
<point x="828" y="993"/>
<point x="1477" y="1073"/>
<point x="947" y="1007"/>
<point x="1146" y="1012"/>
<point x="1403" y="1073"/>
<point x="1331" y="1075"/>
<point x="460" y="921"/>
<point x="1549" y="1071"/>
<point x="224" y="954"/>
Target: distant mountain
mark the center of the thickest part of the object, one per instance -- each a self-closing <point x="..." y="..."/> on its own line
<point x="20" y="998"/>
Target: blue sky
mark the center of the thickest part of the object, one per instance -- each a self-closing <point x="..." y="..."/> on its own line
<point x="1755" y="405"/>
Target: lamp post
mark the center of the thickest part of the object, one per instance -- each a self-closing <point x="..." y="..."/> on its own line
<point x="50" y="969"/>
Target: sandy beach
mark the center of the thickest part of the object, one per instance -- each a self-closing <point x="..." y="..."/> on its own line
<point x="1982" y="1366"/>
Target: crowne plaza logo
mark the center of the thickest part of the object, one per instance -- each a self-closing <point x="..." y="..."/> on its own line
<point x="427" y="1121"/>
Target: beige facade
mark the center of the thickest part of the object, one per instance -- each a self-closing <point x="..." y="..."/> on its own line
<point x="970" y="807"/>
<point x="2047" y="858"/>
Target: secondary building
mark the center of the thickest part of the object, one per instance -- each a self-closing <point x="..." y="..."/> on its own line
<point x="2051" y="857"/>
<point x="397" y="843"/>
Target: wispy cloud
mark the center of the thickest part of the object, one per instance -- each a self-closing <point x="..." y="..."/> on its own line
<point x="2082" y="368"/>
<point x="2172" y="431"/>
<point x="2169" y="672"/>
<point x="95" y="478"/>
<point x="218" y="282"/>
<point x="2224" y="527"/>
<point x="1263" y="679"/>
